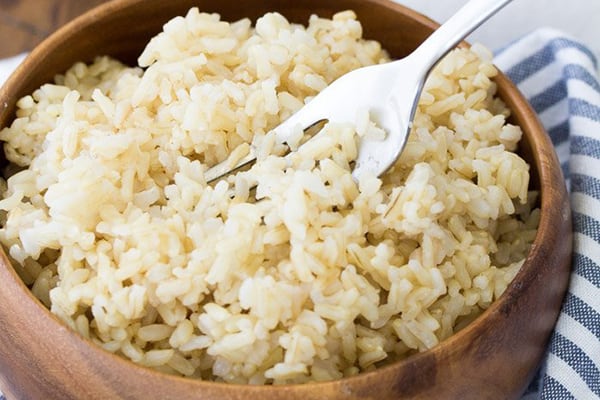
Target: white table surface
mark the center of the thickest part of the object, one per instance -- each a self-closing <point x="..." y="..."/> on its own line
<point x="579" y="18"/>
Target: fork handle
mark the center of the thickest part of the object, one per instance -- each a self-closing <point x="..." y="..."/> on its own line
<point x="455" y="29"/>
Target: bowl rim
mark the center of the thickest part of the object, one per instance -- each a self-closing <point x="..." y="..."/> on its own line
<point x="510" y="295"/>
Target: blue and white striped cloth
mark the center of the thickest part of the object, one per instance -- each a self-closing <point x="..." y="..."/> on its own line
<point x="560" y="78"/>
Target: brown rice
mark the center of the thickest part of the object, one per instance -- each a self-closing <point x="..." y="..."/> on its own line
<point x="108" y="218"/>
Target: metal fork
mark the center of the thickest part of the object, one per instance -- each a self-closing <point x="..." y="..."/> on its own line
<point x="390" y="92"/>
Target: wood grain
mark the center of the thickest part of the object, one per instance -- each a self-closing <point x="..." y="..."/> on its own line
<point x="25" y="23"/>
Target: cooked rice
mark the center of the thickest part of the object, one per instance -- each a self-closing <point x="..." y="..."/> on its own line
<point x="308" y="276"/>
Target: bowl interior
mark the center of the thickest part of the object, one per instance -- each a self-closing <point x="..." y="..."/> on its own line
<point x="121" y="29"/>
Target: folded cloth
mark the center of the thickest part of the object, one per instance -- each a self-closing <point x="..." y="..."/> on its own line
<point x="559" y="77"/>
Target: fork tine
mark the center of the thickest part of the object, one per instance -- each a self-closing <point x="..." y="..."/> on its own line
<point x="225" y="168"/>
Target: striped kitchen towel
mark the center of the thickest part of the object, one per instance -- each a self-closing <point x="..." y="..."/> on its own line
<point x="559" y="76"/>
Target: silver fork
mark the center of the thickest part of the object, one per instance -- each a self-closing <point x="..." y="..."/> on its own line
<point x="390" y="92"/>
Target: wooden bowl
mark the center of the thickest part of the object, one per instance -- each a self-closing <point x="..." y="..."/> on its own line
<point x="494" y="357"/>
